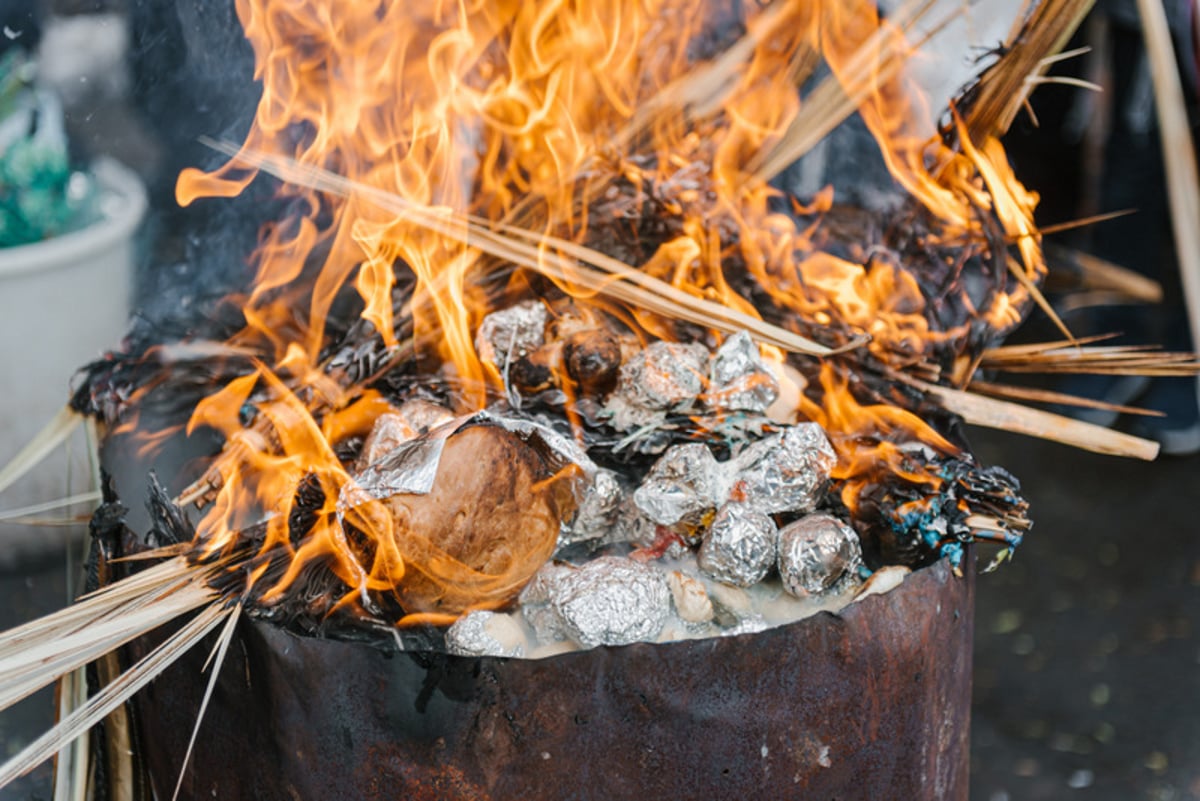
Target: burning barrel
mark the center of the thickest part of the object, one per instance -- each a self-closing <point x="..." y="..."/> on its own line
<point x="565" y="465"/>
<point x="870" y="702"/>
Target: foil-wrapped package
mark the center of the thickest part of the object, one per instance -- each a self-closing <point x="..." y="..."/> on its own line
<point x="664" y="375"/>
<point x="511" y="333"/>
<point x="612" y="601"/>
<point x="738" y="379"/>
<point x="596" y="517"/>
<point x="818" y="554"/>
<point x="684" y="484"/>
<point x="535" y="602"/>
<point x="482" y="633"/>
<point x="740" y="546"/>
<point x="786" y="472"/>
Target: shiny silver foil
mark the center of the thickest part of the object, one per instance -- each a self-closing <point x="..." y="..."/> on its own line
<point x="633" y="526"/>
<point x="470" y="636"/>
<point x="684" y="483"/>
<point x="535" y="599"/>
<point x="391" y="429"/>
<point x="664" y="375"/>
<point x="738" y="379"/>
<point x="411" y="467"/>
<point x="740" y="546"/>
<point x="786" y="472"/>
<point x="818" y="554"/>
<point x="598" y="512"/>
<point x="612" y="601"/>
<point x="511" y="333"/>
<point x="749" y="625"/>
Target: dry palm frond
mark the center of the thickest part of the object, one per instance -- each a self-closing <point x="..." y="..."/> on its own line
<point x="54" y="434"/>
<point x="114" y="695"/>
<point x="39" y="653"/>
<point x="586" y="268"/>
<point x="1047" y="396"/>
<point x="703" y="89"/>
<point x="1023" y="278"/>
<point x="18" y="515"/>
<point x="878" y="60"/>
<point x="1183" y="181"/>
<point x="1109" y="360"/>
<point x="217" y="658"/>
<point x="1003" y="90"/>
<point x="71" y="770"/>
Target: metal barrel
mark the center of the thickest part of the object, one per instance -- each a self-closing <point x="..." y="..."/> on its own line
<point x="870" y="703"/>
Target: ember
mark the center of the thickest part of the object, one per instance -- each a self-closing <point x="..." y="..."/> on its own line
<point x="548" y="358"/>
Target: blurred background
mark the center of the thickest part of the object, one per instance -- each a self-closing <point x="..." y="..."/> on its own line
<point x="1087" y="661"/>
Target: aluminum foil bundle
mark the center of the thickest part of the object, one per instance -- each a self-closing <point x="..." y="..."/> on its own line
<point x="511" y="333"/>
<point x="738" y="379"/>
<point x="740" y="546"/>
<point x="786" y="472"/>
<point x="596" y="518"/>
<point x="535" y="602"/>
<point x="684" y="484"/>
<point x="634" y="527"/>
<point x="611" y="601"/>
<point x="818" y="554"/>
<point x="482" y="633"/>
<point x="662" y="376"/>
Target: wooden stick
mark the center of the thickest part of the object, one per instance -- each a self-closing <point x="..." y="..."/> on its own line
<point x="1005" y="416"/>
<point x="1179" y="155"/>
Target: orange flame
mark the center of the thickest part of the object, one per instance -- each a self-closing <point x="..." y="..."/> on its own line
<point x="510" y="110"/>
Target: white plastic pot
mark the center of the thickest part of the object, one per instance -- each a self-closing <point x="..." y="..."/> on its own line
<point x="62" y="303"/>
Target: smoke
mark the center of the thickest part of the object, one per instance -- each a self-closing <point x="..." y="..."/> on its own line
<point x="192" y="74"/>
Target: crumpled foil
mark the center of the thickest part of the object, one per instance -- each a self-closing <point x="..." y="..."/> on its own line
<point x="633" y="526"/>
<point x="511" y="333"/>
<point x="749" y="625"/>
<point x="558" y="451"/>
<point x="740" y="546"/>
<point x="472" y="635"/>
<point x="611" y="601"/>
<point x="664" y="375"/>
<point x="684" y="484"/>
<point x="411" y="467"/>
<point x="738" y="379"/>
<point x="786" y="472"/>
<point x="535" y="599"/>
<point x="818" y="554"/>
<point x="598" y="511"/>
<point x="391" y="429"/>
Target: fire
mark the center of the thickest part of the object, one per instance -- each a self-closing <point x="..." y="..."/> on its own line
<point x="567" y="118"/>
